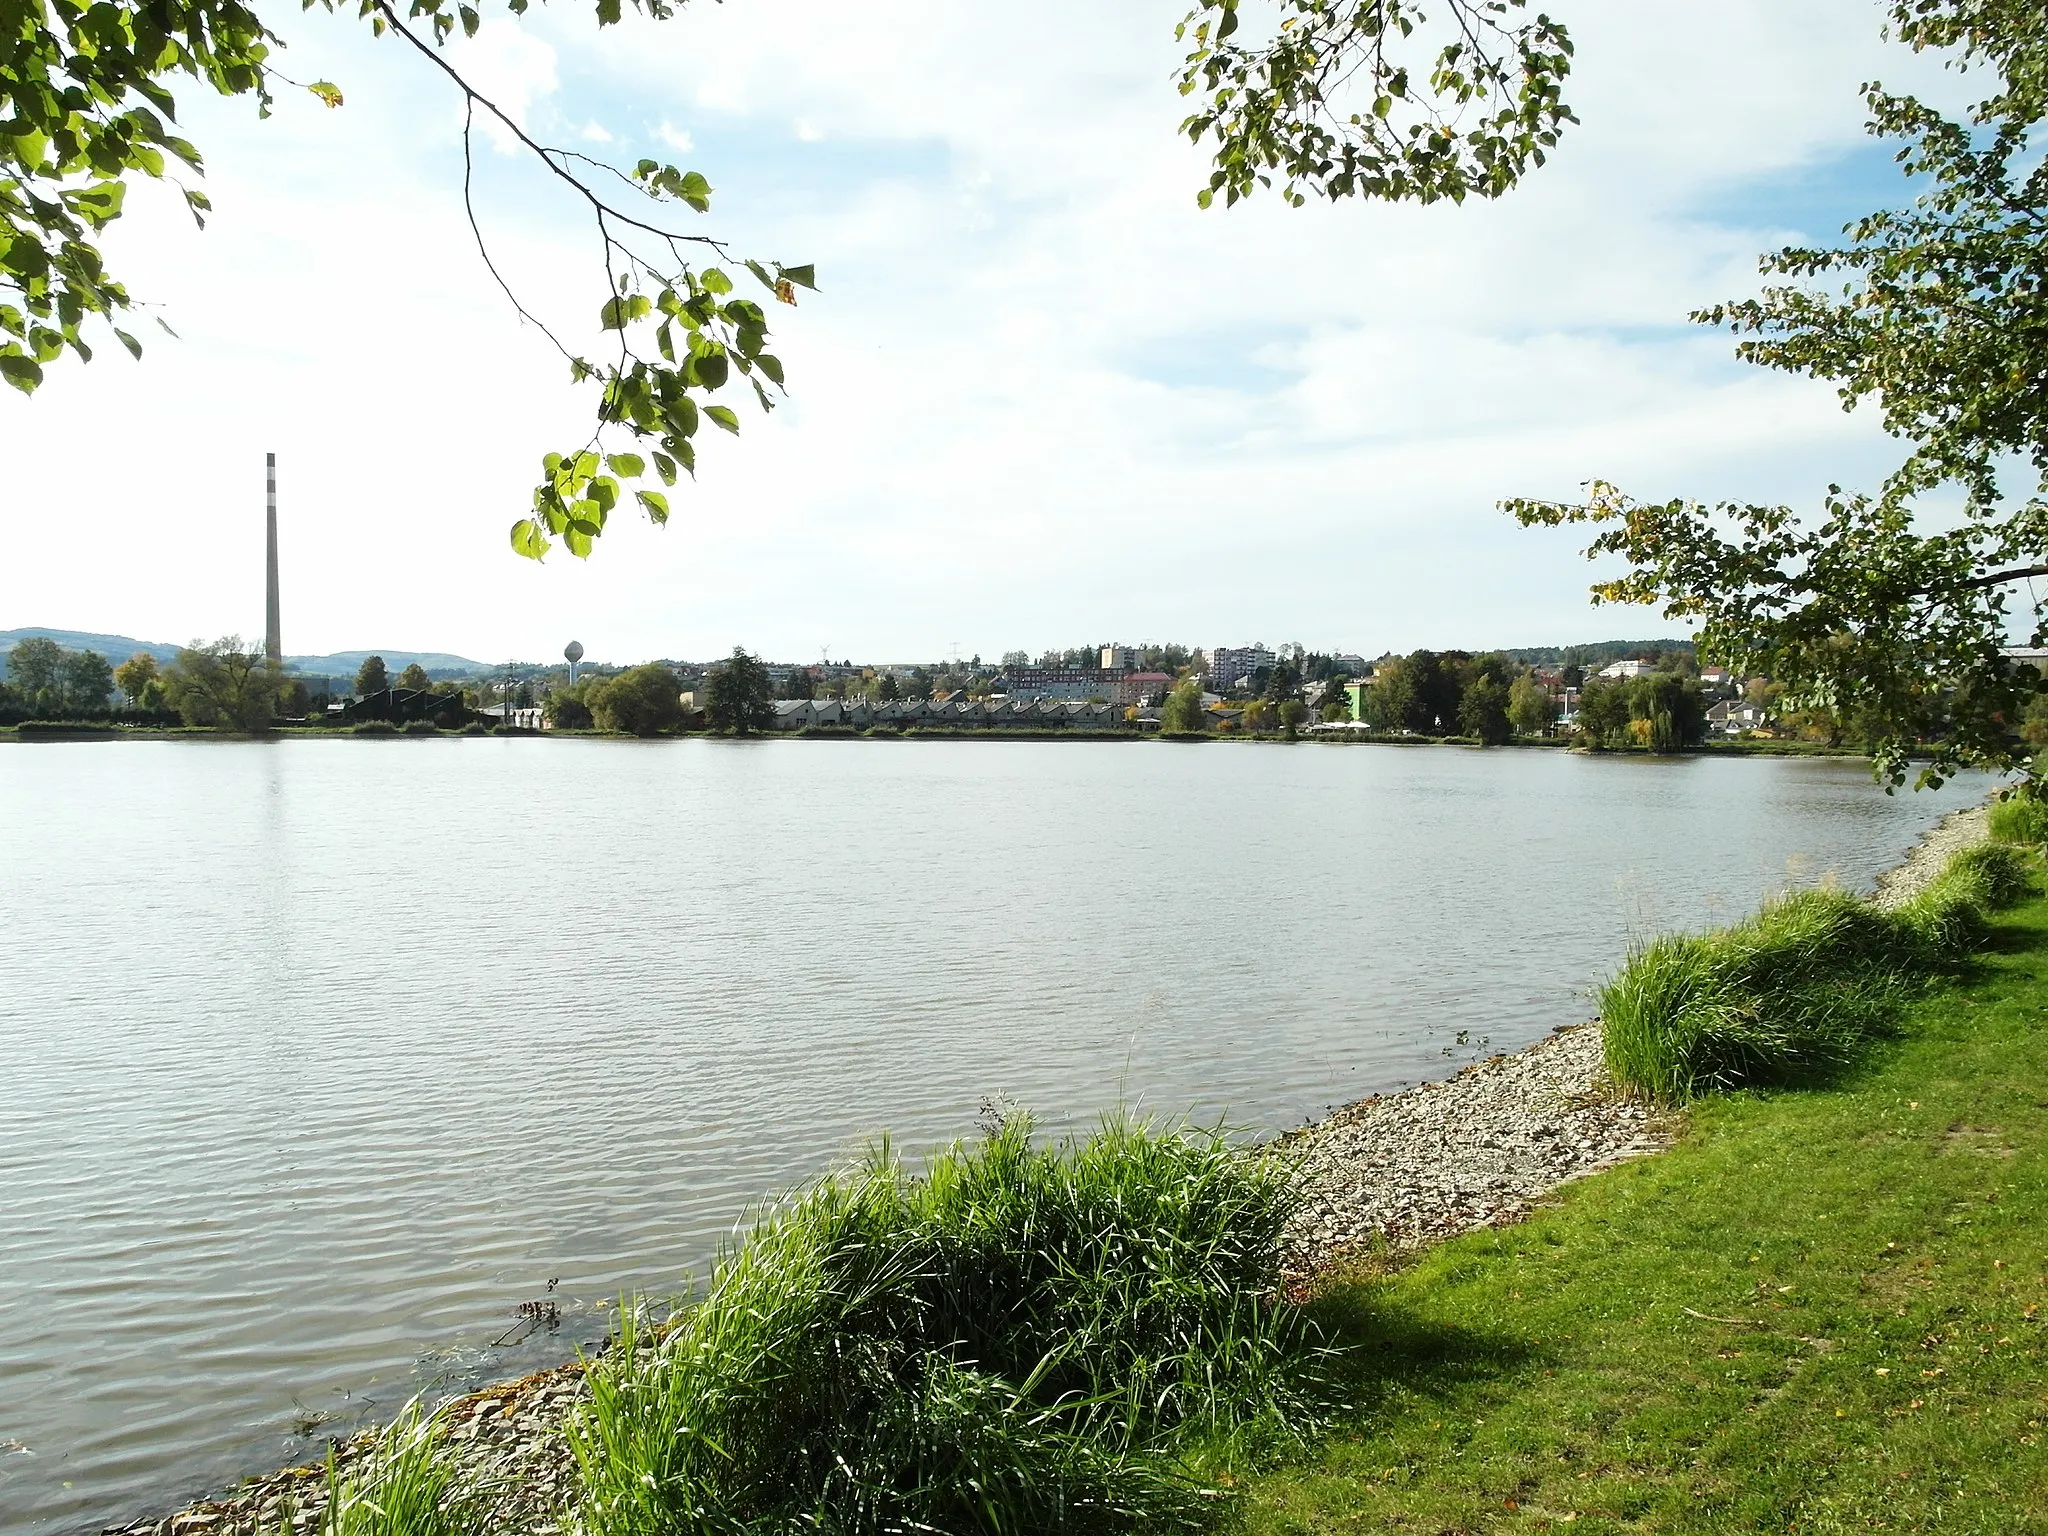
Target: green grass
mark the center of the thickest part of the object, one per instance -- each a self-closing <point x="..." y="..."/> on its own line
<point x="1822" y="1312"/>
<point x="403" y="1487"/>
<point x="1022" y="1338"/>
<point x="1793" y="993"/>
<point x="2020" y="817"/>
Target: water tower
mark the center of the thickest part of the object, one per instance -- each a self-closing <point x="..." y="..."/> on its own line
<point x="572" y="653"/>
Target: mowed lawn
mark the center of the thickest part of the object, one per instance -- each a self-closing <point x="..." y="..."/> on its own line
<point x="1824" y="1310"/>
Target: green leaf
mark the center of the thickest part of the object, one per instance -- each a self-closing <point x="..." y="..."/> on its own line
<point x="577" y="541"/>
<point x="654" y="503"/>
<point x="629" y="466"/>
<point x="666" y="468"/>
<point x="770" y="365"/>
<point x="623" y="309"/>
<point x="714" y="281"/>
<point x="805" y="276"/>
<point x="24" y="373"/>
<point x="724" y="416"/>
<point x="528" y="540"/>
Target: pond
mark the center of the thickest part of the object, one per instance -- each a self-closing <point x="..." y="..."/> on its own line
<point x="323" y="1056"/>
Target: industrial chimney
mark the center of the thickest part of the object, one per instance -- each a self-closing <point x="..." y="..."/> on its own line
<point x="273" y="647"/>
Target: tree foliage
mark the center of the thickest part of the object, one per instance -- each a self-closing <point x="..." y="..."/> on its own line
<point x="35" y="666"/>
<point x="741" y="695"/>
<point x="566" y="709"/>
<point x="415" y="677"/>
<point x="1530" y="709"/>
<point x="134" y="676"/>
<point x="1483" y="711"/>
<point x="50" y="681"/>
<point x="1182" y="714"/>
<point x="642" y="701"/>
<point x="88" y="682"/>
<point x="1370" y="98"/>
<point x="1937" y="314"/>
<point x="1663" y="712"/>
<point x="225" y="684"/>
<point x="371" y="677"/>
<point x="90" y="90"/>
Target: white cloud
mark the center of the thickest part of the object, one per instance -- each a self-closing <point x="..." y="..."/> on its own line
<point x="513" y="69"/>
<point x="594" y="132"/>
<point x="1041" y="398"/>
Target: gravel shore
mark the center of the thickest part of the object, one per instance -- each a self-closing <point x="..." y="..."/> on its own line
<point x="1390" y="1173"/>
<point x="1947" y="837"/>
<point x="505" y="1444"/>
<point x="1408" y="1169"/>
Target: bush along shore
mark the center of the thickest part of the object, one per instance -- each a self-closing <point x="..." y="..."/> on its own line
<point x="1814" y="1310"/>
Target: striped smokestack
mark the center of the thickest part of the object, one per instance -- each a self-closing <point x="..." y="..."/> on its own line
<point x="273" y="646"/>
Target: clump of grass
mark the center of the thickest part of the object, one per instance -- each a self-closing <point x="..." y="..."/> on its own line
<point x="1785" y="995"/>
<point x="1021" y="1339"/>
<point x="2019" y="816"/>
<point x="1790" y="994"/>
<point x="1948" y="919"/>
<point x="402" y="1487"/>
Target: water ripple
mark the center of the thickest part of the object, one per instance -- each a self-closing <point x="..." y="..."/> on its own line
<point x="319" y="1059"/>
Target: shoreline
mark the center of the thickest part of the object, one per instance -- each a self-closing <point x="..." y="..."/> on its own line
<point x="1388" y="1175"/>
<point x="1732" y="749"/>
<point x="1402" y="1171"/>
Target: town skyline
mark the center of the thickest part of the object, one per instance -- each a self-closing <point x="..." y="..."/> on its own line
<point x="118" y="647"/>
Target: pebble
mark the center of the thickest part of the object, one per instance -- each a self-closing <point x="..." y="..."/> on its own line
<point x="1400" y="1171"/>
<point x="1947" y="837"/>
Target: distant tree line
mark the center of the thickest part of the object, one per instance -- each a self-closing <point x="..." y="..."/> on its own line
<point x="647" y="700"/>
<point x="47" y="682"/>
<point x="1492" y="699"/>
<point x="222" y="683"/>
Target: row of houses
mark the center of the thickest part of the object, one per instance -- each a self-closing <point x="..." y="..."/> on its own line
<point x="903" y="714"/>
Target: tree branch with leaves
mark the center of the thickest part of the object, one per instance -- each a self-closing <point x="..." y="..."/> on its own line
<point x="1938" y="315"/>
<point x="1344" y="98"/>
<point x="87" y="95"/>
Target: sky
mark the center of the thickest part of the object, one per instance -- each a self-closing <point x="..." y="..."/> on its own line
<point x="1040" y="400"/>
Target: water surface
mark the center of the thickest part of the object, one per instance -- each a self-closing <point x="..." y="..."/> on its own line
<point x="322" y="1056"/>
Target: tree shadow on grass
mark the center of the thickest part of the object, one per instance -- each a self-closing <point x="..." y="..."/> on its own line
<point x="1384" y="1351"/>
<point x="2008" y="939"/>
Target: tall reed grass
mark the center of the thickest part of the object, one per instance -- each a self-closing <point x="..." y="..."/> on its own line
<point x="2020" y="816"/>
<point x="1021" y="1339"/>
<point x="403" y="1487"/>
<point x="1791" y="993"/>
